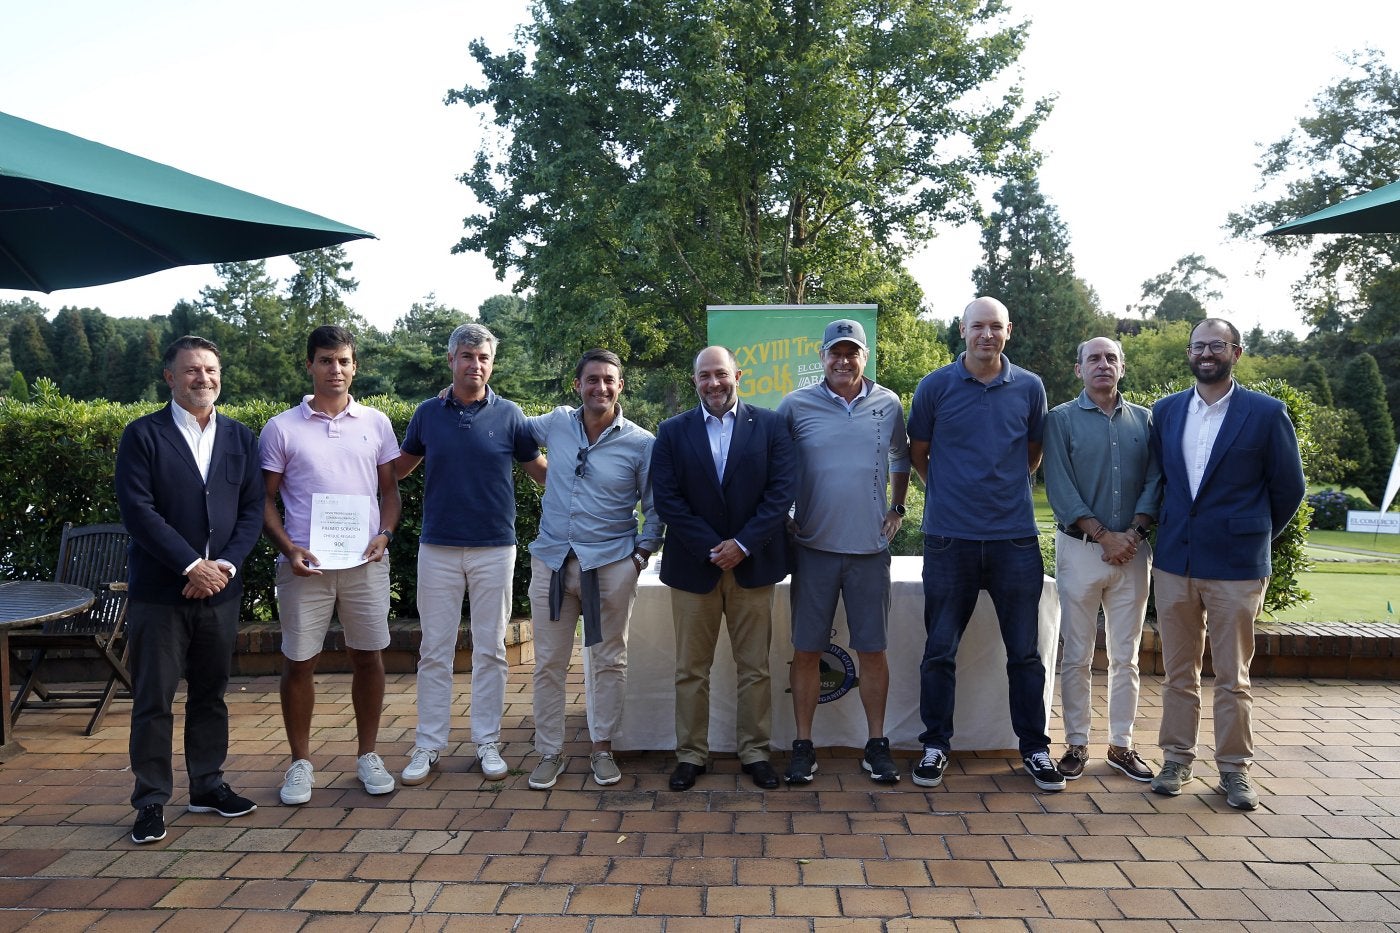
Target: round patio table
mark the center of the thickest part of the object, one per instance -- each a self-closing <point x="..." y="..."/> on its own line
<point x="23" y="604"/>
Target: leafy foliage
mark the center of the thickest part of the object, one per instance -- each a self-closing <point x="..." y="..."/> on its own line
<point x="1330" y="507"/>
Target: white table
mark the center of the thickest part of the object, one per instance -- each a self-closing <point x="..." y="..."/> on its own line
<point x="981" y="719"/>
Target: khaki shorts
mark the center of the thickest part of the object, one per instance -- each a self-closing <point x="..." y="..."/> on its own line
<point x="358" y="597"/>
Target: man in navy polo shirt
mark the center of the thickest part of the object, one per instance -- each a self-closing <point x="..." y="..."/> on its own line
<point x="469" y="438"/>
<point x="975" y="439"/>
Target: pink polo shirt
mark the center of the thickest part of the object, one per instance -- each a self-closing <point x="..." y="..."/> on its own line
<point x="317" y="453"/>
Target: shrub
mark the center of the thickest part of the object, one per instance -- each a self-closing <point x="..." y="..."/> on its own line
<point x="1330" y="507"/>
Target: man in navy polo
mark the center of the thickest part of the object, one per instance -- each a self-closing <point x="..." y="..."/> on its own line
<point x="975" y="439"/>
<point x="469" y="439"/>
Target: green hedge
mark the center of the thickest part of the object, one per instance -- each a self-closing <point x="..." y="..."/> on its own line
<point x="58" y="466"/>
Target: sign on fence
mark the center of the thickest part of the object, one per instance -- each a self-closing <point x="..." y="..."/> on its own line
<point x="1386" y="523"/>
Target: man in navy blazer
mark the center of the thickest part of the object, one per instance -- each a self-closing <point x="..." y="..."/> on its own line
<point x="1232" y="480"/>
<point x="723" y="478"/>
<point x="191" y="497"/>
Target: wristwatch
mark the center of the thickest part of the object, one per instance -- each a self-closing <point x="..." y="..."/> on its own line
<point x="641" y="560"/>
<point x="899" y="510"/>
<point x="1141" y="530"/>
<point x="386" y="533"/>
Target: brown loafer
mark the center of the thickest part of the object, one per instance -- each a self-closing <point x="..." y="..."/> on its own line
<point x="1130" y="763"/>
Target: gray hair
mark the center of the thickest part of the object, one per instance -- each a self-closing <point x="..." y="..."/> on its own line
<point x="1079" y="351"/>
<point x="473" y="335"/>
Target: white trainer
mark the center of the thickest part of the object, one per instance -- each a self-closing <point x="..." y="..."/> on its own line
<point x="296" y="787"/>
<point x="420" y="762"/>
<point x="372" y="773"/>
<point x="492" y="765"/>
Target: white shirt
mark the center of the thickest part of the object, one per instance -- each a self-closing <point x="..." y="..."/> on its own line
<point x="721" y="432"/>
<point x="1199" y="433"/>
<point x="201" y="441"/>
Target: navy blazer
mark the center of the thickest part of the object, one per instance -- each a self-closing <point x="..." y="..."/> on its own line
<point x="171" y="512"/>
<point x="750" y="503"/>
<point x="1250" y="491"/>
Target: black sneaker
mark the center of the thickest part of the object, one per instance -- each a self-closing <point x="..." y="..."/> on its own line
<point x="223" y="801"/>
<point x="803" y="764"/>
<point x="1043" y="770"/>
<point x="150" y="825"/>
<point x="878" y="762"/>
<point x="929" y="771"/>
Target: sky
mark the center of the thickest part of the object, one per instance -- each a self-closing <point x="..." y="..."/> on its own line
<point x="336" y="107"/>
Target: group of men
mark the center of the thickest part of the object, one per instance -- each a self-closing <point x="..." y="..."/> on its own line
<point x="746" y="496"/>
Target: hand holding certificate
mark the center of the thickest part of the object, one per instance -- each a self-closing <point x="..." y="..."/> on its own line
<point x="340" y="530"/>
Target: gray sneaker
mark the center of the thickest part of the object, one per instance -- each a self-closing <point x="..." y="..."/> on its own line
<point x="1238" y="793"/>
<point x="1171" y="778"/>
<point x="605" y="770"/>
<point x="547" y="772"/>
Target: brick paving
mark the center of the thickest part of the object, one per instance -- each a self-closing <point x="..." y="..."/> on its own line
<point x="984" y="852"/>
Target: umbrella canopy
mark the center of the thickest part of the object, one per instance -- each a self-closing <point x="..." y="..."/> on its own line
<point x="75" y="213"/>
<point x="1373" y="212"/>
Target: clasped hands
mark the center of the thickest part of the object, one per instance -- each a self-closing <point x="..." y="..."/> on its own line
<point x="206" y="578"/>
<point x="1119" y="547"/>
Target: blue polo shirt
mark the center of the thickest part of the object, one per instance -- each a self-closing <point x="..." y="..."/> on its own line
<point x="979" y="481"/>
<point x="468" y="452"/>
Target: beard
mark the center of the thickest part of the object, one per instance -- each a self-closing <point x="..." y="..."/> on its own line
<point x="1221" y="372"/>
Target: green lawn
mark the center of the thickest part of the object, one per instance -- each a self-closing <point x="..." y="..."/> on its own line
<point x="1350" y="540"/>
<point x="1353" y="592"/>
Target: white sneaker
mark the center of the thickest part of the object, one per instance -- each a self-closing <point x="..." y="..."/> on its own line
<point x="420" y="762"/>
<point x="372" y="773"/>
<point x="489" y="754"/>
<point x="296" y="787"/>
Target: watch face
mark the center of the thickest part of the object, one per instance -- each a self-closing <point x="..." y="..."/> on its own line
<point x="900" y="510"/>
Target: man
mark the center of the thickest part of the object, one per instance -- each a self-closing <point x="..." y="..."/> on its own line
<point x="975" y="439"/>
<point x="1232" y="481"/>
<point x="850" y="441"/>
<point x="723" y="479"/>
<point x="1103" y="485"/>
<point x="191" y="499"/>
<point x="326" y="456"/>
<point x="586" y="560"/>
<point x="470" y="438"/>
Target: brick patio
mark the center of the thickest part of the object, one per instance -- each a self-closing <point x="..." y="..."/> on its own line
<point x="983" y="852"/>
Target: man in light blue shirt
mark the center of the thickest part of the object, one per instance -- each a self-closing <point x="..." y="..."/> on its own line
<point x="587" y="558"/>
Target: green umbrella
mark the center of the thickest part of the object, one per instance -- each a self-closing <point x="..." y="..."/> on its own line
<point x="1375" y="211"/>
<point x="75" y="213"/>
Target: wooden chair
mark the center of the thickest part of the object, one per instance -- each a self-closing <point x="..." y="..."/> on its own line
<point x="93" y="556"/>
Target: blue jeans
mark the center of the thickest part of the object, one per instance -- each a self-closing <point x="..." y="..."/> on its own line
<point x="955" y="570"/>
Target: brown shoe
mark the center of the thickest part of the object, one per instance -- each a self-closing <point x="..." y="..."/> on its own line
<point x="1130" y="763"/>
<point x="1073" y="762"/>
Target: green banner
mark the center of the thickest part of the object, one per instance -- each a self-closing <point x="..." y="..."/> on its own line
<point x="777" y="347"/>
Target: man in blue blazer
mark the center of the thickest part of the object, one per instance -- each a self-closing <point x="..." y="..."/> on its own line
<point x="723" y="478"/>
<point x="1232" y="480"/>
<point x="191" y="497"/>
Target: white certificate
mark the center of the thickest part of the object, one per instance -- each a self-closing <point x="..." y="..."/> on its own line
<point x="340" y="530"/>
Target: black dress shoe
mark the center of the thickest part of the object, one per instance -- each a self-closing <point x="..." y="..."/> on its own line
<point x="762" y="773"/>
<point x="683" y="778"/>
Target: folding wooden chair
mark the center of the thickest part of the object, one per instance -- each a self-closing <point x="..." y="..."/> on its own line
<point x="93" y="556"/>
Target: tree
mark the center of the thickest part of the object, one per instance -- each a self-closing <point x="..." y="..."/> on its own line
<point x="662" y="156"/>
<point x="1028" y="267"/>
<point x="71" y="353"/>
<point x="1362" y="391"/>
<point x="261" y="354"/>
<point x="1181" y="293"/>
<point x="1348" y="144"/>
<point x="19" y="389"/>
<point x="1313" y="380"/>
<point x="29" y="347"/>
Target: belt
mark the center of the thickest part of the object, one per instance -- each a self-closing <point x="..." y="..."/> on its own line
<point x="1073" y="532"/>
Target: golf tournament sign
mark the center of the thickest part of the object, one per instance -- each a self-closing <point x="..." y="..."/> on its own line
<point x="777" y="347"/>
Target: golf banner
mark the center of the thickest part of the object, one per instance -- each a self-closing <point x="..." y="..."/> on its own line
<point x="777" y="347"/>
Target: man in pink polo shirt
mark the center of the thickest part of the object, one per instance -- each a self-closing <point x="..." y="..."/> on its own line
<point x="331" y="460"/>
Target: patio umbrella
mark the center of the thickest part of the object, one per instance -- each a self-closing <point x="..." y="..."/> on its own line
<point x="75" y="213"/>
<point x="1375" y="211"/>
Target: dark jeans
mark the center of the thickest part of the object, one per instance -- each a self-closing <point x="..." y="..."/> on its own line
<point x="955" y="570"/>
<point x="193" y="640"/>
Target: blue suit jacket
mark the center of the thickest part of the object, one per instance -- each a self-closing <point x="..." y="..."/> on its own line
<point x="171" y="512"/>
<point x="749" y="503"/>
<point x="1251" y="488"/>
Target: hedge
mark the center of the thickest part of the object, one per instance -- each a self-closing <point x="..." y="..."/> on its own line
<point x="60" y="456"/>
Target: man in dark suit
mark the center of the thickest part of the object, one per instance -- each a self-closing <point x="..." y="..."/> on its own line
<point x="1231" y="482"/>
<point x="191" y="496"/>
<point x="723" y="478"/>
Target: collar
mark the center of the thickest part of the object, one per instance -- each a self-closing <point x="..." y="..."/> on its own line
<point x="1086" y="402"/>
<point x="865" y="386"/>
<point x="705" y="415"/>
<point x="184" y="419"/>
<point x="1006" y="375"/>
<point x="450" y="401"/>
<point x="618" y="421"/>
<point x="353" y="410"/>
<point x="1198" y="404"/>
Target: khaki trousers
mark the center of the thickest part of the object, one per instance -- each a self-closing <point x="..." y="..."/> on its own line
<point x="1189" y="610"/>
<point x="748" y="615"/>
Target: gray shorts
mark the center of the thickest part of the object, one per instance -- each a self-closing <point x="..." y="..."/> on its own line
<point x="358" y="597"/>
<point x="820" y="577"/>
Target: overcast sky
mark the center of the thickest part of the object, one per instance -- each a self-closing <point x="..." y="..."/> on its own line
<point x="335" y="106"/>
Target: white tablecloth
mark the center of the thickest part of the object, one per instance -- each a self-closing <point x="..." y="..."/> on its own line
<point x="981" y="720"/>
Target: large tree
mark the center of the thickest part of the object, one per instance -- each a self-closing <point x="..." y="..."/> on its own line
<point x="1027" y="265"/>
<point x="660" y="156"/>
<point x="1348" y="144"/>
<point x="1362" y="391"/>
<point x="1183" y="291"/>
